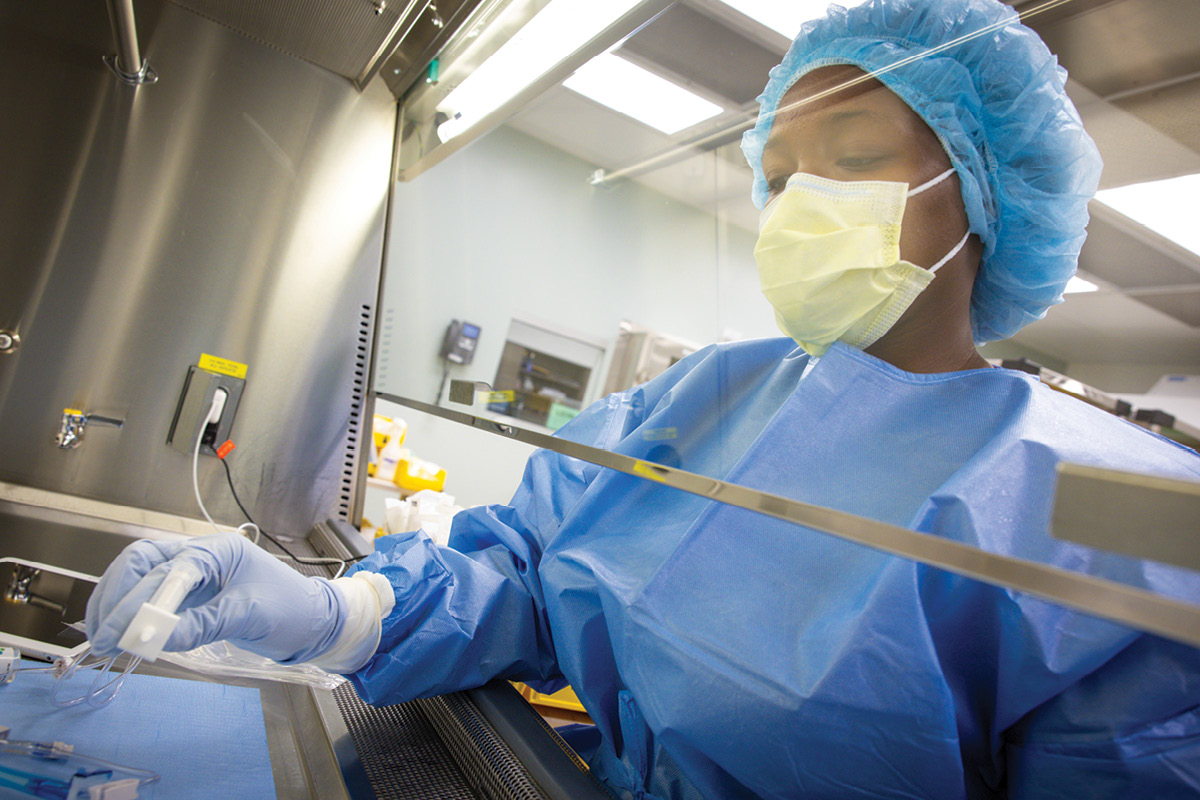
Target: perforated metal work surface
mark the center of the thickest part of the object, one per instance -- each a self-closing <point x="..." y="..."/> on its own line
<point x="485" y="743"/>
<point x="487" y="762"/>
<point x="400" y="751"/>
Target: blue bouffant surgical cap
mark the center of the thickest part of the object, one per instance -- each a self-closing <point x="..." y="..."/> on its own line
<point x="994" y="95"/>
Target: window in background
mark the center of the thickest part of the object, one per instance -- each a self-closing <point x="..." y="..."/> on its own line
<point x="545" y="376"/>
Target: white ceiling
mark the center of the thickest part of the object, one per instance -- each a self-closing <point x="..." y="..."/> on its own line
<point x="1135" y="67"/>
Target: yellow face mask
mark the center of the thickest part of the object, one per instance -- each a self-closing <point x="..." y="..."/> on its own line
<point x="829" y="262"/>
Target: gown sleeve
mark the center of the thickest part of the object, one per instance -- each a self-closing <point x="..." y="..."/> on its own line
<point x="475" y="610"/>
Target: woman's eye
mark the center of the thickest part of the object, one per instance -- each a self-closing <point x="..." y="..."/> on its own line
<point x="776" y="184"/>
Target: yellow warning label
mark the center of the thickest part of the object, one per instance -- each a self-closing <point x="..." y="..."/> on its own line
<point x="222" y="366"/>
<point x="74" y="412"/>
<point x="645" y="469"/>
<point x="501" y="397"/>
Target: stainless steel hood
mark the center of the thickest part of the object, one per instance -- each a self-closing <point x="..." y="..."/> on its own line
<point x="351" y="38"/>
<point x="235" y="208"/>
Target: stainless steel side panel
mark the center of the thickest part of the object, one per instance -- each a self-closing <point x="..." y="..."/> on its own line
<point x="234" y="208"/>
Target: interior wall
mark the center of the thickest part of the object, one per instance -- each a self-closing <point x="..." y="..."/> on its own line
<point x="511" y="227"/>
<point x="235" y="208"/>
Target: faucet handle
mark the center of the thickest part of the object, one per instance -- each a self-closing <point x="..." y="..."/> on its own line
<point x="74" y="421"/>
<point x="70" y="430"/>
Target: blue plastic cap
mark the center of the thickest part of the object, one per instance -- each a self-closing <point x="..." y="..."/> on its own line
<point x="995" y="96"/>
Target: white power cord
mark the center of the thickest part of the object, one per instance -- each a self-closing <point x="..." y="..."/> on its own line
<point x="213" y="416"/>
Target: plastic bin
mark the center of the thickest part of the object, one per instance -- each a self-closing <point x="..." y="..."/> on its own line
<point x="413" y="475"/>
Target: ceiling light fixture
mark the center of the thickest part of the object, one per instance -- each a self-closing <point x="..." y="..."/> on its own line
<point x="787" y="17"/>
<point x="635" y="92"/>
<point x="1078" y="285"/>
<point x="1166" y="207"/>
<point x="554" y="33"/>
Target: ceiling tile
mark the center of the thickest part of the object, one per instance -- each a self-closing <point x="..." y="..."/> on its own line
<point x="1123" y="253"/>
<point x="1182" y="305"/>
<point x="1107" y="327"/>
<point x="701" y="51"/>
<point x="1127" y="44"/>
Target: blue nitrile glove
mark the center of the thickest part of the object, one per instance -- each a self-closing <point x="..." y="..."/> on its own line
<point x="248" y="597"/>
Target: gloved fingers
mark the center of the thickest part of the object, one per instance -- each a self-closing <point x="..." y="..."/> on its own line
<point x="235" y="616"/>
<point x="246" y="596"/>
<point x="218" y="558"/>
<point x="294" y="619"/>
<point x="139" y="570"/>
<point x="125" y="572"/>
<point x="106" y="627"/>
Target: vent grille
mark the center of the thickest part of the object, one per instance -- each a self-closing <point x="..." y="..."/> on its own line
<point x="354" y="431"/>
<point x="400" y="751"/>
<point x="488" y="764"/>
<point x="434" y="747"/>
<point x="385" y="348"/>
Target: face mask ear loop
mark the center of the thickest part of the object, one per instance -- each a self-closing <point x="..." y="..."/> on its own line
<point x="961" y="243"/>
<point x="931" y="182"/>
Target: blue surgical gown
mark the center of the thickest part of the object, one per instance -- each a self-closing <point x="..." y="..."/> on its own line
<point x="723" y="654"/>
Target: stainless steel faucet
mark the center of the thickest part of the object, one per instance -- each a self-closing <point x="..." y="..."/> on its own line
<point x="70" y="431"/>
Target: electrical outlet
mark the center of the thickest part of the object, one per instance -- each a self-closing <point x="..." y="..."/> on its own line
<point x="195" y="401"/>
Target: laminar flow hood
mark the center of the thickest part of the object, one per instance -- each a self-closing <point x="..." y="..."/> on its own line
<point x="353" y="38"/>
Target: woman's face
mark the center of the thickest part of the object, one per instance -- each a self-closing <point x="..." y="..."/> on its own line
<point x="865" y="132"/>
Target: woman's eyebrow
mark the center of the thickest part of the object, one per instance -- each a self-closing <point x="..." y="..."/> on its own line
<point x="833" y="119"/>
<point x="840" y="117"/>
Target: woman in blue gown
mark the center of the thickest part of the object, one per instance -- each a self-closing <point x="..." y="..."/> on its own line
<point x="909" y="212"/>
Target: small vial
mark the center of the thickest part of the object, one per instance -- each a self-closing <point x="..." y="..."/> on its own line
<point x="10" y="658"/>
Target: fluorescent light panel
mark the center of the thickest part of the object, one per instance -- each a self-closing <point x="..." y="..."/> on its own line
<point x="784" y="16"/>
<point x="1078" y="285"/>
<point x="635" y="92"/>
<point x="554" y="33"/>
<point x="1166" y="207"/>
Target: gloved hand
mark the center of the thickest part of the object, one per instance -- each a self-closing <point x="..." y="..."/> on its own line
<point x="248" y="597"/>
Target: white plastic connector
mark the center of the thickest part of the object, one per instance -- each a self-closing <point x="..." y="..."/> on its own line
<point x="156" y="619"/>
<point x="218" y="406"/>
